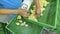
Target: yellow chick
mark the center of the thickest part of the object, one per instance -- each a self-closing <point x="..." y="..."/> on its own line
<point x="46" y="3"/>
<point x="26" y="25"/>
<point x="42" y="9"/>
<point x="41" y="14"/>
<point x="32" y="17"/>
<point x="20" y="21"/>
<point x="22" y="24"/>
<point x="19" y="17"/>
<point x="17" y="23"/>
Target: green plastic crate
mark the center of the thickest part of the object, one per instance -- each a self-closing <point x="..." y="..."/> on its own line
<point x="58" y="20"/>
<point x="18" y="29"/>
<point x="49" y="18"/>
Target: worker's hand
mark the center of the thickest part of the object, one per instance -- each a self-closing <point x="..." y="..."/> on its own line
<point x="23" y="12"/>
<point x="38" y="12"/>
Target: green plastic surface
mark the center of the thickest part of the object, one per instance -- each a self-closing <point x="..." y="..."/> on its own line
<point x="58" y="19"/>
<point x="18" y="29"/>
<point x="58" y="27"/>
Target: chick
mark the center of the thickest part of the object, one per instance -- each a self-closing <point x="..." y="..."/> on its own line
<point x="19" y="17"/>
<point x="26" y="25"/>
<point x="17" y="23"/>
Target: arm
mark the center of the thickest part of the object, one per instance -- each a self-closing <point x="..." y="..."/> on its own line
<point x="37" y="3"/>
<point x="38" y="11"/>
<point x="25" y="6"/>
<point x="6" y="11"/>
<point x="22" y="12"/>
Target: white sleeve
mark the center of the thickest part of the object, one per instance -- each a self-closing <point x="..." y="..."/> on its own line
<point x="26" y="4"/>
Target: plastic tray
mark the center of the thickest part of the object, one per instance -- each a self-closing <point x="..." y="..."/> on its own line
<point x="17" y="29"/>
